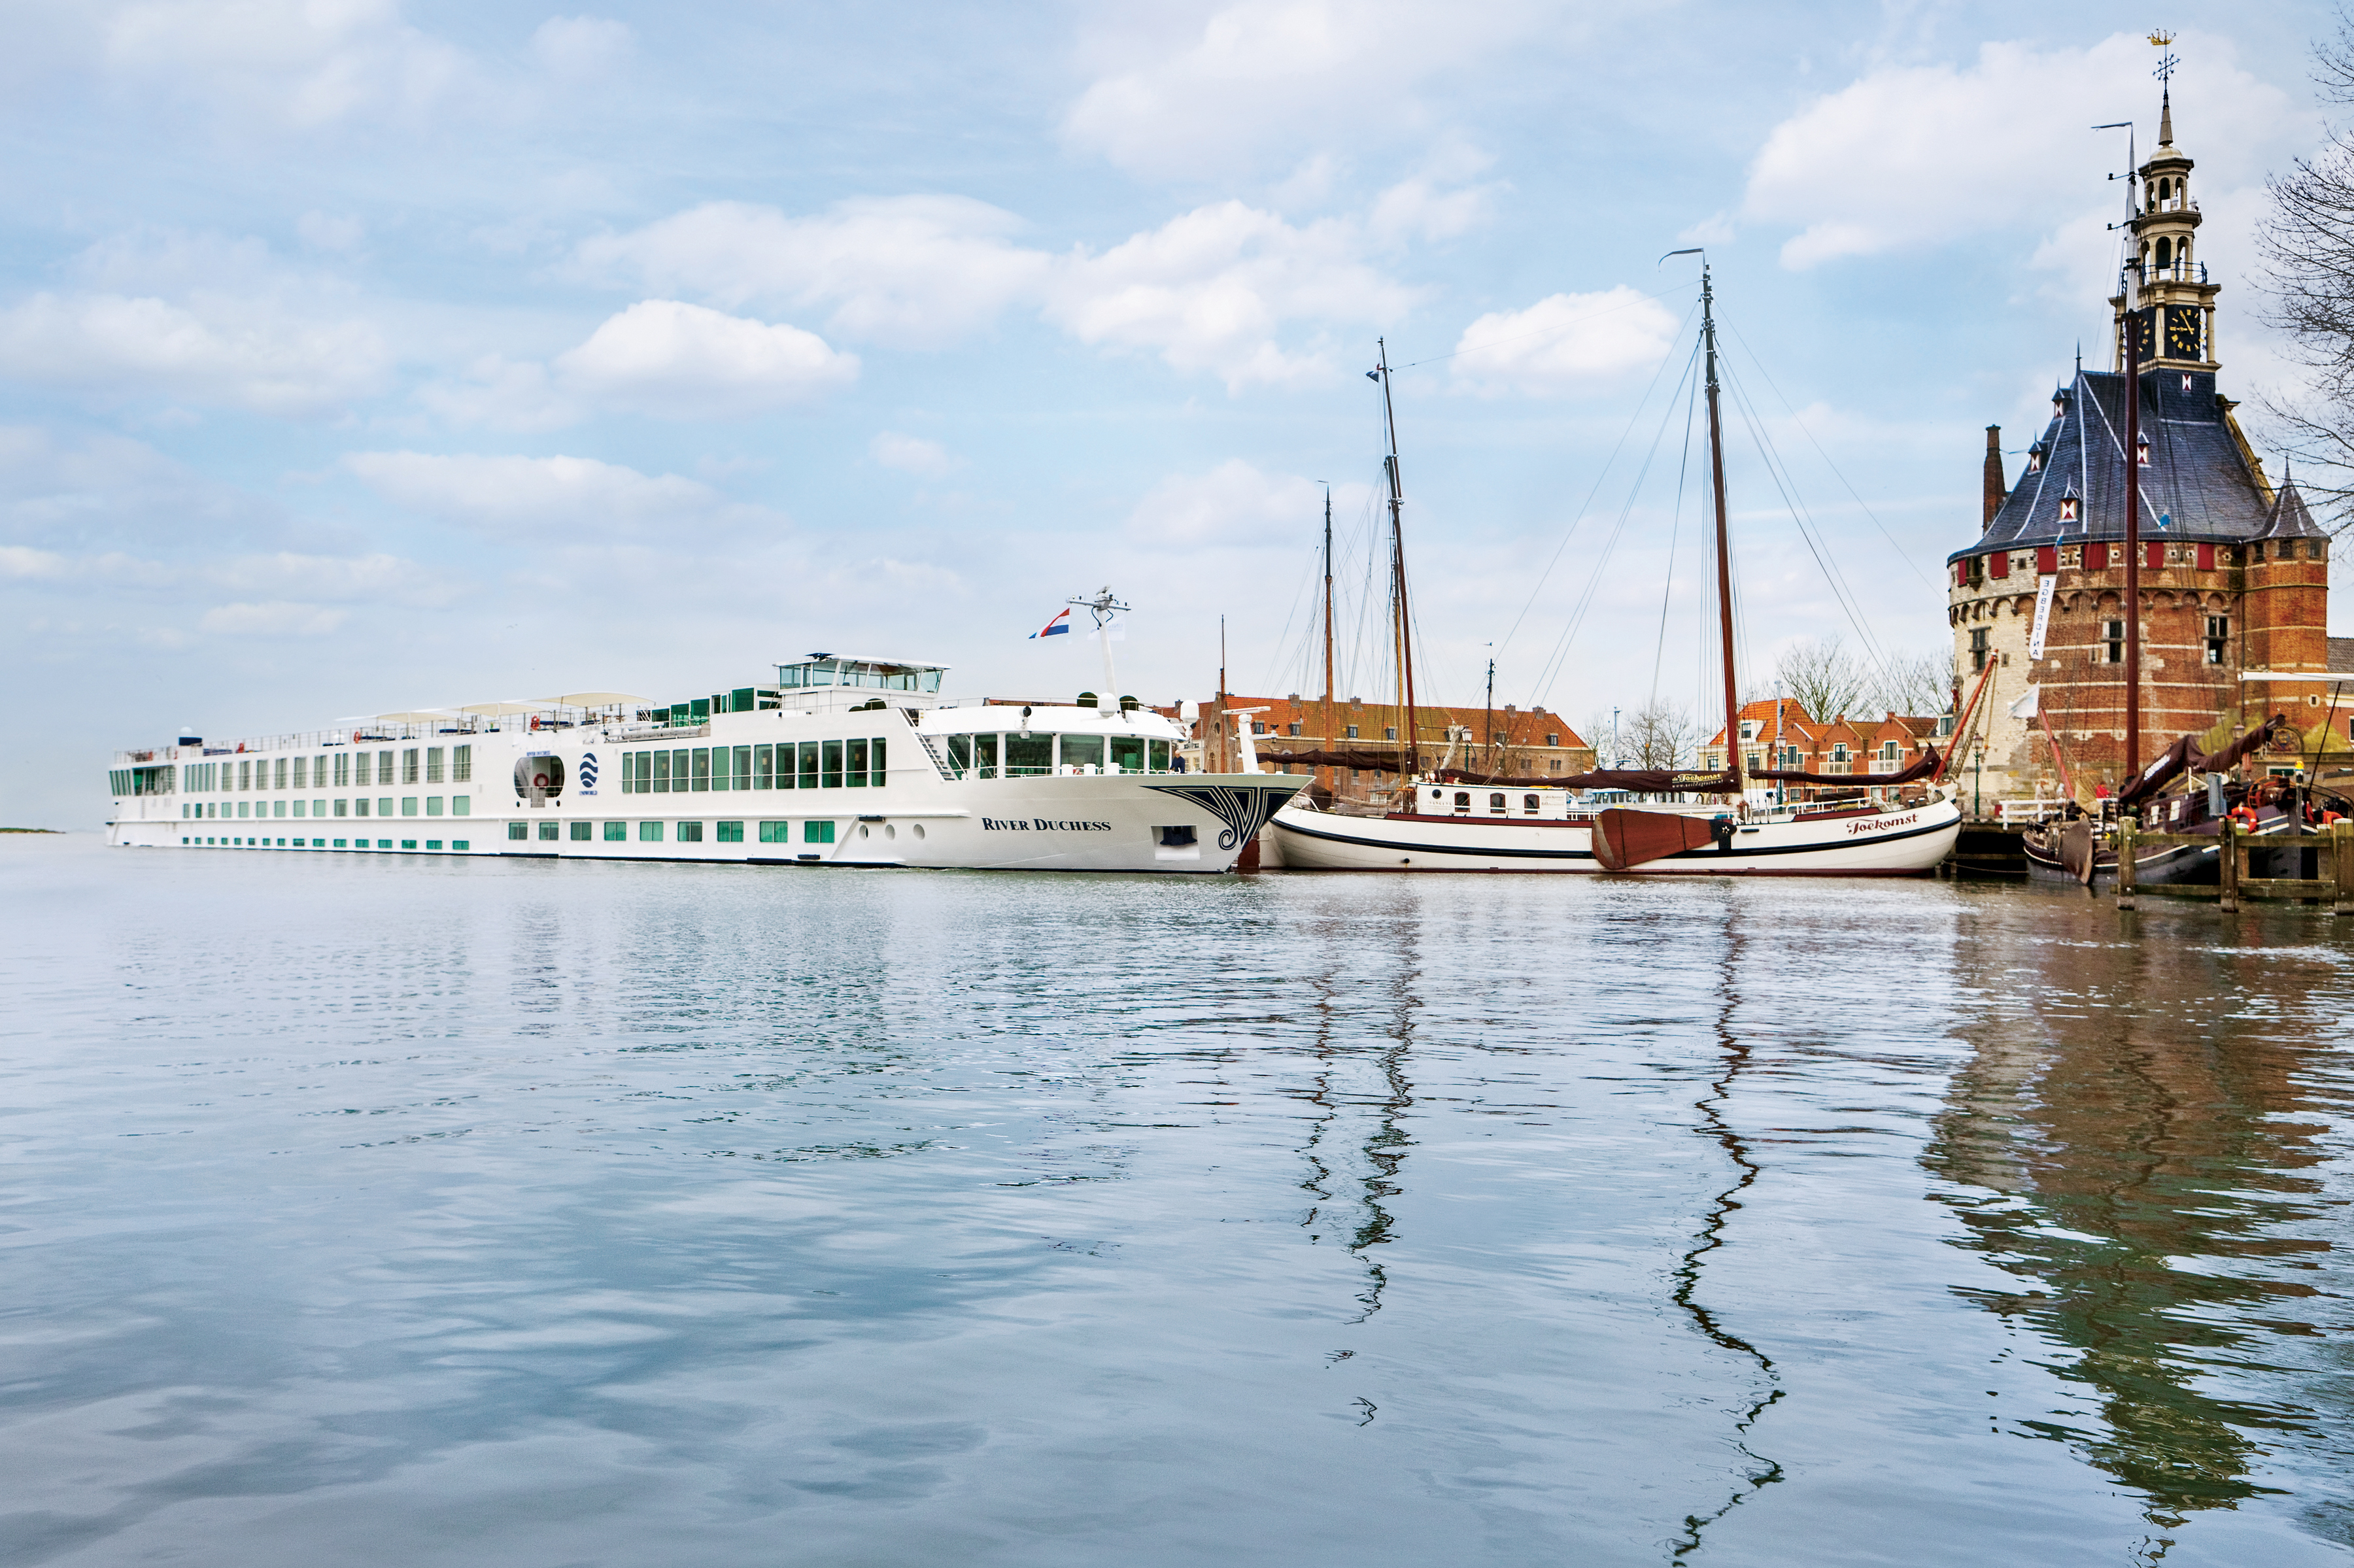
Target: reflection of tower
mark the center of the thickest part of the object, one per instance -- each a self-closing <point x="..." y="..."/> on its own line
<point x="2136" y="1164"/>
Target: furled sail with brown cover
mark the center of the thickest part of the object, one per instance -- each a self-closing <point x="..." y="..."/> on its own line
<point x="1926" y="767"/>
<point x="2184" y="756"/>
<point x="1654" y="781"/>
<point x="1366" y="761"/>
<point x="1623" y="839"/>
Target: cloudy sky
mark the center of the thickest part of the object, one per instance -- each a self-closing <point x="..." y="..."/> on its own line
<point x="357" y="354"/>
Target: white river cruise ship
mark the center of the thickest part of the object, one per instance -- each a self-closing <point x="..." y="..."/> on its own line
<point x="840" y="761"/>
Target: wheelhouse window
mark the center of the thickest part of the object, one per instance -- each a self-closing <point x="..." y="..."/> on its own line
<point x="1027" y="756"/>
<point x="1087" y="750"/>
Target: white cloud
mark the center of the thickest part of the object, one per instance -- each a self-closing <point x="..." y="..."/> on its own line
<point x="1213" y="290"/>
<point x="911" y="455"/>
<point x="909" y="271"/>
<point x="305" y="63"/>
<point x="659" y="357"/>
<point x="553" y="498"/>
<point x="22" y="563"/>
<point x="580" y="47"/>
<point x="1564" y="343"/>
<point x="275" y="618"/>
<point x="682" y="361"/>
<point x="328" y="231"/>
<point x="1235" y="504"/>
<point x="1908" y="157"/>
<point x="1217" y="90"/>
<point x="210" y="350"/>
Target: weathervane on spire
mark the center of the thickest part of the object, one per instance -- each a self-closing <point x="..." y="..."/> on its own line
<point x="2166" y="61"/>
<point x="2161" y="38"/>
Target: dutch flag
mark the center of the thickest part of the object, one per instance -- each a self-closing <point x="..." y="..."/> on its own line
<point x="1058" y="626"/>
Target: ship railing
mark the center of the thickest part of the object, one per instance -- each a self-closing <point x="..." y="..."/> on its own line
<point x="2027" y="814"/>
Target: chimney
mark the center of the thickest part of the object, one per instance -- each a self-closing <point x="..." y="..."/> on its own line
<point x="1995" y="488"/>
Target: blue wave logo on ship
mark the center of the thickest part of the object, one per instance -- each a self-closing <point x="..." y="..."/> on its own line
<point x="587" y="771"/>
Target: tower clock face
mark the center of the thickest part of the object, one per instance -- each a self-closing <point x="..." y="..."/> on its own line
<point x="2182" y="331"/>
<point x="2141" y="333"/>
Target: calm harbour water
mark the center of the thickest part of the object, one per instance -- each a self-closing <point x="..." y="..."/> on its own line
<point x="419" y="1212"/>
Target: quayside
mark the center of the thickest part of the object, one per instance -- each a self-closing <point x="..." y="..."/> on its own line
<point x="837" y="761"/>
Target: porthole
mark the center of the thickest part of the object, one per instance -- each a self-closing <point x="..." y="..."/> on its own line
<point x="918" y="830"/>
<point x="864" y="831"/>
<point x="890" y="833"/>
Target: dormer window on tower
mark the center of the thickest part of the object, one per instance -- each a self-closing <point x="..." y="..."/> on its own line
<point x="2035" y="458"/>
<point x="2068" y="508"/>
<point x="2141" y="450"/>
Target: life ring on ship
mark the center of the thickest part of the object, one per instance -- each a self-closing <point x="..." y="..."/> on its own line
<point x="2243" y="818"/>
<point x="535" y="721"/>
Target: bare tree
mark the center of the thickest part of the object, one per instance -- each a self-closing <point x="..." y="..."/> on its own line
<point x="1659" y="735"/>
<point x="1819" y="676"/>
<point x="1914" y="684"/>
<point x="2307" y="243"/>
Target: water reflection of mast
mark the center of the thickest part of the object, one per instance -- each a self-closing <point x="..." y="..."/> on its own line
<point x="1732" y="1055"/>
<point x="1384" y="1147"/>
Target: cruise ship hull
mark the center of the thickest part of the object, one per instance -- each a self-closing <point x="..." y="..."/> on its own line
<point x="1909" y="841"/>
<point x="826" y="778"/>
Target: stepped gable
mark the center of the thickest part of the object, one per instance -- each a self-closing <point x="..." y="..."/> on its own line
<point x="2197" y="485"/>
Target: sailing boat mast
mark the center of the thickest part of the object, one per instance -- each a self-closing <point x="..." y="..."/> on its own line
<point x="1723" y="543"/>
<point x="1403" y="630"/>
<point x="1328" y="731"/>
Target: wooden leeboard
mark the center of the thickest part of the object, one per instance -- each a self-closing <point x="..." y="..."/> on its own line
<point x="1623" y="839"/>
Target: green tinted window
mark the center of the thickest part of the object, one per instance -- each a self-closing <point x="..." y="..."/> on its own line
<point x="617" y="833"/>
<point x="690" y="833"/>
<point x="1082" y="751"/>
<point x="809" y="764"/>
<point x="960" y="755"/>
<point x="518" y="830"/>
<point x="831" y="775"/>
<point x="984" y="756"/>
<point x="764" y="767"/>
<point x="855" y="774"/>
<point x="581" y="830"/>
<point x="662" y="772"/>
<point x="1159" y="754"/>
<point x="742" y="767"/>
<point x="877" y="764"/>
<point x="1026" y="756"/>
<point x="650" y="832"/>
<point x="703" y="768"/>
<point x="817" y="832"/>
<point x="731" y="832"/>
<point x="1127" y="752"/>
<point x="776" y="832"/>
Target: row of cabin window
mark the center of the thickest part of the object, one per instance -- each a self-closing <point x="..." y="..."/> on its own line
<point x="2099" y="555"/>
<point x="321" y="844"/>
<point x="351" y="768"/>
<point x="1029" y="756"/>
<point x="2110" y="648"/>
<point x="805" y="765"/>
<point x="812" y="832"/>
<point x="409" y="806"/>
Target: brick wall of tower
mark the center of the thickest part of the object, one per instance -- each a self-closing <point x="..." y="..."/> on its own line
<point x="2082" y="694"/>
<point x="2288" y="621"/>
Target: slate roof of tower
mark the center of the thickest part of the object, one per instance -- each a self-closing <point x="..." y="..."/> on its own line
<point x="2197" y="486"/>
<point x="2290" y="518"/>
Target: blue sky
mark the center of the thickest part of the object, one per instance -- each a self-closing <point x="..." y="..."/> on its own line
<point x="357" y="356"/>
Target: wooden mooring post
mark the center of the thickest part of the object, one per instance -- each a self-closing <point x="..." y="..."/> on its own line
<point x="2126" y="826"/>
<point x="2332" y="883"/>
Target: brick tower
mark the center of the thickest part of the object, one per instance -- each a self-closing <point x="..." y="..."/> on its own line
<point x="2234" y="573"/>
